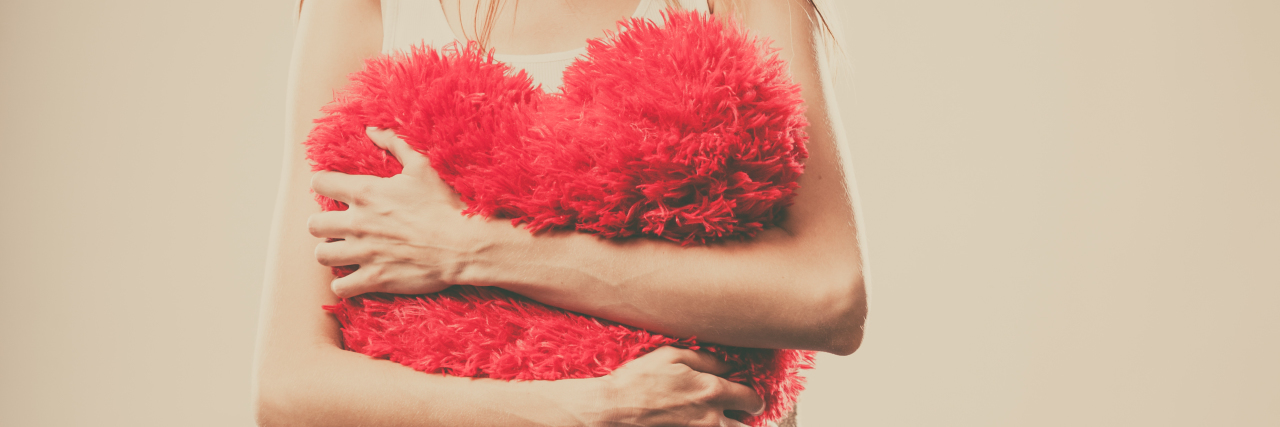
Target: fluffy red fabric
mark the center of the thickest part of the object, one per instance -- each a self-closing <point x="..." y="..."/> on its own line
<point x="691" y="131"/>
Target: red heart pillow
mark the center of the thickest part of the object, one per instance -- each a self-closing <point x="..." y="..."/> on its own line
<point x="691" y="131"/>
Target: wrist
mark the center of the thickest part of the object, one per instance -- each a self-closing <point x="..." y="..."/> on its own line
<point x="576" y="402"/>
<point x="507" y="256"/>
<point x="488" y="242"/>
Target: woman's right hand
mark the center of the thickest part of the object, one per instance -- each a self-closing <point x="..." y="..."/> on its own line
<point x="672" y="387"/>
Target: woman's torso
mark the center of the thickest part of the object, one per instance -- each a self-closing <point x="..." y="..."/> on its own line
<point x="407" y="23"/>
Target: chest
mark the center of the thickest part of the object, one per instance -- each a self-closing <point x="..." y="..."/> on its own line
<point x="534" y="26"/>
<point x="541" y="37"/>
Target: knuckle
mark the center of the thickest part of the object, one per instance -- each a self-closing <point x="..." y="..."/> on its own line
<point x="336" y="287"/>
<point x="709" y="419"/>
<point x="666" y="353"/>
<point x="361" y="197"/>
<point x="372" y="252"/>
<point x="315" y="178"/>
<point x="364" y="194"/>
<point x="710" y="387"/>
<point x="354" y="226"/>
<point x="379" y="210"/>
<point x="322" y="255"/>
<point x="312" y="226"/>
<point x="376" y="276"/>
<point x="672" y="370"/>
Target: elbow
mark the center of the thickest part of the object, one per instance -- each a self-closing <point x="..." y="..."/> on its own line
<point x="269" y="402"/>
<point x="846" y="342"/>
<point x="844" y="319"/>
<point x="280" y="398"/>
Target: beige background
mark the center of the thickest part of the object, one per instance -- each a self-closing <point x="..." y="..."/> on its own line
<point x="1073" y="210"/>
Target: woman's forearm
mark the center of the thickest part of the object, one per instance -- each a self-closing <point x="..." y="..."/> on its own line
<point x="334" y="387"/>
<point x="779" y="290"/>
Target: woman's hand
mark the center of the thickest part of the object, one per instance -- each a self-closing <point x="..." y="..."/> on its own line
<point x="672" y="387"/>
<point x="405" y="232"/>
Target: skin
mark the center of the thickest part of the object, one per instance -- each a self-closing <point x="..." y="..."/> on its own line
<point x="803" y="281"/>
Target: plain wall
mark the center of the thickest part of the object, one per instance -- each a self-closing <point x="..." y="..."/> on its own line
<point x="1072" y="210"/>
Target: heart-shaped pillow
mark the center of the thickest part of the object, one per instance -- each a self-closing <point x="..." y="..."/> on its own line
<point x="691" y="131"/>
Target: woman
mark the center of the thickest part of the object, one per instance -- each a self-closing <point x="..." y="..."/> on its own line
<point x="795" y="286"/>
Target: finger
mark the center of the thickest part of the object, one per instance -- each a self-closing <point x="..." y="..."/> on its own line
<point x="340" y="186"/>
<point x="340" y="253"/>
<point x="700" y="361"/>
<point x="414" y="162"/>
<point x="731" y="418"/>
<point x="362" y="281"/>
<point x="736" y="397"/>
<point x="332" y="225"/>
<point x="379" y="278"/>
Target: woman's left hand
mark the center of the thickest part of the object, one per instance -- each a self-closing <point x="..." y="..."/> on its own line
<point x="405" y="232"/>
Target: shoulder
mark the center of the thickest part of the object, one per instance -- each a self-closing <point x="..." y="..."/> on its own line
<point x="762" y="9"/>
<point x="297" y="5"/>
<point x="792" y="25"/>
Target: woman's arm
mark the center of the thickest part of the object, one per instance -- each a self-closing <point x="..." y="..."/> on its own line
<point x="797" y="286"/>
<point x="303" y="377"/>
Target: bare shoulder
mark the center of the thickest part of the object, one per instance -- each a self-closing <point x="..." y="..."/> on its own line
<point x="345" y="31"/>
<point x="769" y="13"/>
<point x="374" y="4"/>
<point x="791" y="25"/>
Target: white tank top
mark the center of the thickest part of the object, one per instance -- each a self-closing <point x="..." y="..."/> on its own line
<point x="407" y="23"/>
